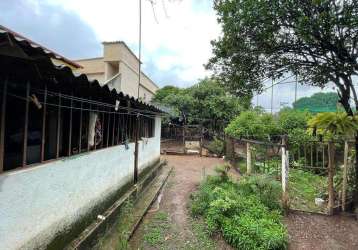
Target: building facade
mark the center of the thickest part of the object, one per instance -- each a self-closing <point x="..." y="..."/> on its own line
<point x="118" y="68"/>
<point x="68" y="146"/>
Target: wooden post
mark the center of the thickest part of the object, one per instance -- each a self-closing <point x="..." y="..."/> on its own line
<point x="248" y="158"/>
<point x="58" y="127"/>
<point x="70" y="129"/>
<point x="323" y="156"/>
<point x="136" y="151"/>
<point x="184" y="139"/>
<point x="284" y="172"/>
<point x="24" y="152"/>
<point x="345" y="170"/>
<point x="80" y="130"/>
<point x="2" y="126"/>
<point x="311" y="147"/>
<point x="43" y="134"/>
<point x="201" y="141"/>
<point x="330" y="177"/>
<point x="305" y="155"/>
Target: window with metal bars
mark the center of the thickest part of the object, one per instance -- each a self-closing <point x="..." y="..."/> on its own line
<point x="39" y="126"/>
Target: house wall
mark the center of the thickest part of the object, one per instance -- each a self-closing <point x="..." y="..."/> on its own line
<point x="39" y="203"/>
<point x="118" y="53"/>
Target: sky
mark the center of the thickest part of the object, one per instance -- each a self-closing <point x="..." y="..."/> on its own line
<point x="176" y="35"/>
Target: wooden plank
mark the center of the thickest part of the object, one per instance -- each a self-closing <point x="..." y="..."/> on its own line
<point x="330" y="177"/>
<point x="70" y="129"/>
<point x="113" y="128"/>
<point x="345" y="171"/>
<point x="136" y="153"/>
<point x="80" y="130"/>
<point x="43" y="134"/>
<point x="58" y="127"/>
<point x="24" y="148"/>
<point x="2" y="125"/>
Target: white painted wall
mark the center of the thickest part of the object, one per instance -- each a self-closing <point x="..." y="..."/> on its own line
<point x="38" y="202"/>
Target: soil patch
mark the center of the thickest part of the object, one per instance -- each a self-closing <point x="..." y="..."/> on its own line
<point x="180" y="231"/>
<point x="321" y="232"/>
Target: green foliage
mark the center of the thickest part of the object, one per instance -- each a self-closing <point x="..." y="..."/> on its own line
<point x="333" y="124"/>
<point x="267" y="38"/>
<point x="294" y="124"/>
<point x="253" y="124"/>
<point x="304" y="188"/>
<point x="290" y="119"/>
<point x="318" y="102"/>
<point x="267" y="189"/>
<point x="206" y="100"/>
<point x="156" y="232"/>
<point x="243" y="212"/>
<point x="216" y="146"/>
<point x="162" y="93"/>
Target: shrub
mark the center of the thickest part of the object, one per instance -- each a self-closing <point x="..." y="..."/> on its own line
<point x="246" y="213"/>
<point x="253" y="124"/>
<point x="216" y="147"/>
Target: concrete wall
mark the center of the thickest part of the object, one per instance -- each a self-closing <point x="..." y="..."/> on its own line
<point x="103" y="68"/>
<point x="38" y="203"/>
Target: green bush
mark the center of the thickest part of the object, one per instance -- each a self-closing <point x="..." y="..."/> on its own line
<point x="216" y="147"/>
<point x="246" y="213"/>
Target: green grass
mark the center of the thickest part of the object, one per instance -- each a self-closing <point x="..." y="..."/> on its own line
<point x="156" y="230"/>
<point x="304" y="187"/>
<point x="202" y="236"/>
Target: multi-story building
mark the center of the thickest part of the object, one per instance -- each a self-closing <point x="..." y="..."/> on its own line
<point x="118" y="68"/>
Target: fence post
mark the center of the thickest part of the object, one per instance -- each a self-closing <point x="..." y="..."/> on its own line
<point x="330" y="177"/>
<point x="345" y="170"/>
<point x="248" y="158"/>
<point x="284" y="172"/>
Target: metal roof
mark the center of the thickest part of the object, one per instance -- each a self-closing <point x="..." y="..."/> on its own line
<point x="21" y="58"/>
<point x="33" y="44"/>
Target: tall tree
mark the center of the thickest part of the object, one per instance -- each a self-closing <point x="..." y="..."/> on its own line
<point x="314" y="39"/>
<point x="205" y="102"/>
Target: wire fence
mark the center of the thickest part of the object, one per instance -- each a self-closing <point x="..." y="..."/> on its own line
<point x="313" y="184"/>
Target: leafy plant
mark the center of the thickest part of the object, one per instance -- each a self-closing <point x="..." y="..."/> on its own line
<point x="253" y="124"/>
<point x="333" y="123"/>
<point x="216" y="146"/>
<point x="246" y="213"/>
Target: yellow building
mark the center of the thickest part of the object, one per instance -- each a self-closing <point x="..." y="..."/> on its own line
<point x="118" y="68"/>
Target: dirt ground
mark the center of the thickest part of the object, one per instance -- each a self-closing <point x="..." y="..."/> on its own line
<point x="306" y="231"/>
<point x="187" y="173"/>
<point x="321" y="232"/>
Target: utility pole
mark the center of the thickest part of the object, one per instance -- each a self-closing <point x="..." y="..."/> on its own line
<point x="140" y="45"/>
<point x="272" y="97"/>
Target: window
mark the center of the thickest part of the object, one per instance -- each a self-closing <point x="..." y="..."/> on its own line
<point x="41" y="124"/>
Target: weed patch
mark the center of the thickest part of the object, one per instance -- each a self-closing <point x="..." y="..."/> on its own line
<point x="304" y="187"/>
<point x="247" y="213"/>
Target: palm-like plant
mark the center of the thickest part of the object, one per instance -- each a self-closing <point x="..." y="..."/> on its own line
<point x="331" y="125"/>
<point x="334" y="124"/>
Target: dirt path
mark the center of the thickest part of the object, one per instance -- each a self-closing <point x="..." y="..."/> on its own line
<point x="179" y="230"/>
<point x="169" y="225"/>
<point x="320" y="232"/>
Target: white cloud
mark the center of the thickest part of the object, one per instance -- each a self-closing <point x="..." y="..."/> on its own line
<point x="180" y="39"/>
